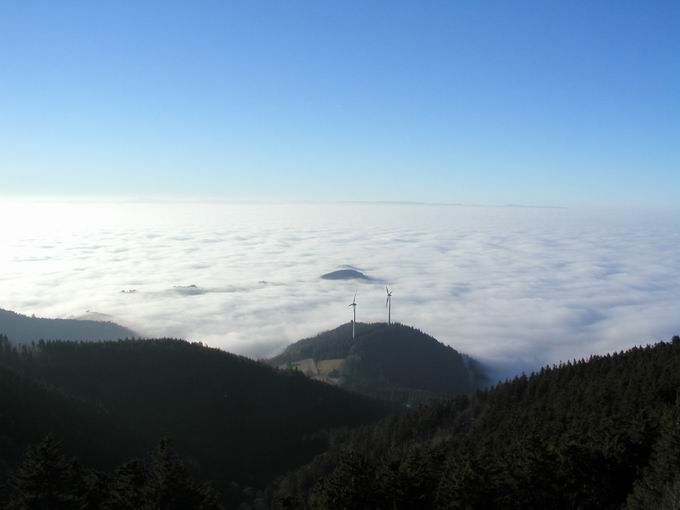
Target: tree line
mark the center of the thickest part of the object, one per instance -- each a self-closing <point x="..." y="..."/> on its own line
<point x="598" y="433"/>
<point x="602" y="433"/>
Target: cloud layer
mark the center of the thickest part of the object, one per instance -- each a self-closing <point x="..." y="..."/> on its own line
<point x="516" y="288"/>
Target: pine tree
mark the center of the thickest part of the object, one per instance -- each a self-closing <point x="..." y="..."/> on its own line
<point x="661" y="478"/>
<point x="47" y="480"/>
<point x="348" y="487"/>
<point x="461" y="485"/>
<point x="171" y="487"/>
<point x="128" y="487"/>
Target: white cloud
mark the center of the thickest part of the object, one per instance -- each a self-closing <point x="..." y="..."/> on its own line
<point x="516" y="288"/>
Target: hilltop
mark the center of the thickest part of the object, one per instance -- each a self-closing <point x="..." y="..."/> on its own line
<point x="395" y="362"/>
<point x="345" y="274"/>
<point x="22" y="329"/>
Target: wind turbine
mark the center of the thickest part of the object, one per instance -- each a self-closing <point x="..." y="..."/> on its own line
<point x="388" y="304"/>
<point x="353" y="304"/>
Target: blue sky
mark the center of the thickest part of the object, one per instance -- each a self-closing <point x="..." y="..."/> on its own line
<point x="564" y="103"/>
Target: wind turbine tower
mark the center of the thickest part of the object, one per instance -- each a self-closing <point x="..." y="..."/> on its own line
<point x="353" y="304"/>
<point x="388" y="304"/>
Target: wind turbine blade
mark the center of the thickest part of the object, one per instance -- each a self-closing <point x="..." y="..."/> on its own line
<point x="387" y="301"/>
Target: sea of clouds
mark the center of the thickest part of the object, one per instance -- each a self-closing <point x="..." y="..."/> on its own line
<point x="514" y="287"/>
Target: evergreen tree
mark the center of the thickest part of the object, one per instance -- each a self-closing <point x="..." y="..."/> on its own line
<point x="348" y="487"/>
<point x="128" y="487"/>
<point x="660" y="482"/>
<point x="47" y="480"/>
<point x="170" y="486"/>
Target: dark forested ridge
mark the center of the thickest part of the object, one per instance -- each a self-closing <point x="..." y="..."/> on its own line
<point x="22" y="329"/>
<point x="236" y="422"/>
<point x="394" y="362"/>
<point x="602" y="433"/>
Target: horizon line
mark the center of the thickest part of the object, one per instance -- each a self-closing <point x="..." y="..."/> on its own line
<point x="198" y="200"/>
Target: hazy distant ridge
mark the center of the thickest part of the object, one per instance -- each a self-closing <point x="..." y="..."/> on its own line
<point x="22" y="329"/>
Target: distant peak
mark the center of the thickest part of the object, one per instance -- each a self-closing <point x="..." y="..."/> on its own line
<point x="345" y="274"/>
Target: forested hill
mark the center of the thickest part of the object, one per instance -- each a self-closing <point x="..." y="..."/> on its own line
<point x="394" y="362"/>
<point x="602" y="433"/>
<point x="237" y="422"/>
<point x="22" y="329"/>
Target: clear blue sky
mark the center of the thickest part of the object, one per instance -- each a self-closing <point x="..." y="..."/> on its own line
<point x="566" y="103"/>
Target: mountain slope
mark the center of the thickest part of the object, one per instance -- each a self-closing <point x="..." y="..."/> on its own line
<point x="238" y="422"/>
<point x="22" y="329"/>
<point x="601" y="433"/>
<point x="30" y="410"/>
<point x="395" y="362"/>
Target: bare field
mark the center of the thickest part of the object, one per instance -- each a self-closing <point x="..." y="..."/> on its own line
<point x="326" y="366"/>
<point x="306" y="366"/>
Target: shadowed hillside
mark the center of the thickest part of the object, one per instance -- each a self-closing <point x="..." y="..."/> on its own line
<point x="394" y="362"/>
<point x="29" y="410"/>
<point x="602" y="433"/>
<point x="237" y="422"/>
<point x="22" y="329"/>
